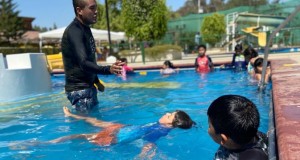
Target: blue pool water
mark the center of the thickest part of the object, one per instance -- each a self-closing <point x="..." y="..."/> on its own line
<point x="26" y="123"/>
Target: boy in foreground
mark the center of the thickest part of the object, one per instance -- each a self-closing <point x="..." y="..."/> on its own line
<point x="233" y="123"/>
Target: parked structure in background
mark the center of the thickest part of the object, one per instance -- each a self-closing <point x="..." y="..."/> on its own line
<point x="182" y="31"/>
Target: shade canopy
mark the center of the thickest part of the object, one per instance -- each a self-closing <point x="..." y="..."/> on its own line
<point x="97" y="33"/>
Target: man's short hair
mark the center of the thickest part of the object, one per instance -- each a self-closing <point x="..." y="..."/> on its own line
<point x="78" y="3"/>
<point x="235" y="116"/>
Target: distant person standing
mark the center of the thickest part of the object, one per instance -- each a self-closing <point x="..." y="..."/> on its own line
<point x="197" y="38"/>
<point x="203" y="63"/>
<point x="78" y="50"/>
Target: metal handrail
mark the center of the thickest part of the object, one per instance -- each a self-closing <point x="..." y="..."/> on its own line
<point x="267" y="49"/>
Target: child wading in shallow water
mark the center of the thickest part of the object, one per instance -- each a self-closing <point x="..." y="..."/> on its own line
<point x="168" y="68"/>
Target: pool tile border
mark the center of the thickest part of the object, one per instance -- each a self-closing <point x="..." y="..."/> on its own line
<point x="286" y="102"/>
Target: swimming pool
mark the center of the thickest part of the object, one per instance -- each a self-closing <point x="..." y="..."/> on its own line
<point x="140" y="99"/>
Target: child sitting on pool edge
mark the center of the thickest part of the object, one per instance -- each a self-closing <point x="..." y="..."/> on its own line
<point x="233" y="123"/>
<point x="113" y="133"/>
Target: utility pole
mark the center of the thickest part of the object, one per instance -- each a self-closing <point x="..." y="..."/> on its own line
<point x="108" y="28"/>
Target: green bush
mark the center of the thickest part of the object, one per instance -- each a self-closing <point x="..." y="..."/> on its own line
<point x="15" y="50"/>
<point x="125" y="53"/>
<point x="160" y="51"/>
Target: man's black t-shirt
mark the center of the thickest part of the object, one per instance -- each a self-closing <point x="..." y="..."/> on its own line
<point x="78" y="50"/>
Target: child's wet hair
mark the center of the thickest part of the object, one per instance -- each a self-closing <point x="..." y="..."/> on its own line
<point x="169" y="64"/>
<point x="235" y="116"/>
<point x="182" y="120"/>
<point x="258" y="62"/>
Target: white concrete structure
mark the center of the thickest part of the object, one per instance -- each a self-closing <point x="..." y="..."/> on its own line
<point x="22" y="75"/>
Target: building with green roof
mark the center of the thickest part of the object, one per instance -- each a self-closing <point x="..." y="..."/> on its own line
<point x="182" y="31"/>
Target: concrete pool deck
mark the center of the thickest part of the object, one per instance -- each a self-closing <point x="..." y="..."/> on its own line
<point x="285" y="83"/>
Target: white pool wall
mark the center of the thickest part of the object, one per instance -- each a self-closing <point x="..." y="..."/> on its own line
<point x="23" y="74"/>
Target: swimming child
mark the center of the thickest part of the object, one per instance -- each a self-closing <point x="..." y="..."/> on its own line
<point x="258" y="65"/>
<point x="203" y="62"/>
<point x="168" y="68"/>
<point x="233" y="123"/>
<point x="113" y="133"/>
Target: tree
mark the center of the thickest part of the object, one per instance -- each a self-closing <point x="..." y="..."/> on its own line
<point x="115" y="19"/>
<point x="237" y="3"/>
<point x="215" y="5"/>
<point x="191" y="7"/>
<point x="145" y="19"/>
<point x="11" y="26"/>
<point x="213" y="28"/>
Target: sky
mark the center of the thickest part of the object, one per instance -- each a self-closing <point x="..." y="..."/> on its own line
<point x="59" y="12"/>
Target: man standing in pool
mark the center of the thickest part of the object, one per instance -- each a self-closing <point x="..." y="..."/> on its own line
<point x="78" y="50"/>
<point x="113" y="133"/>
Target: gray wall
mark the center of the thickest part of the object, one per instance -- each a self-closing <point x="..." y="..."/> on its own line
<point x="22" y="75"/>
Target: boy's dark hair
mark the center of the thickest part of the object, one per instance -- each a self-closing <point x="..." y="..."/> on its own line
<point x="201" y="45"/>
<point x="249" y="53"/>
<point x="78" y="3"/>
<point x="235" y="116"/>
<point x="182" y="120"/>
<point x="169" y="64"/>
<point x="238" y="47"/>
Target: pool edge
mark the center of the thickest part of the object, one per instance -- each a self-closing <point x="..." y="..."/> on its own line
<point x="285" y="86"/>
